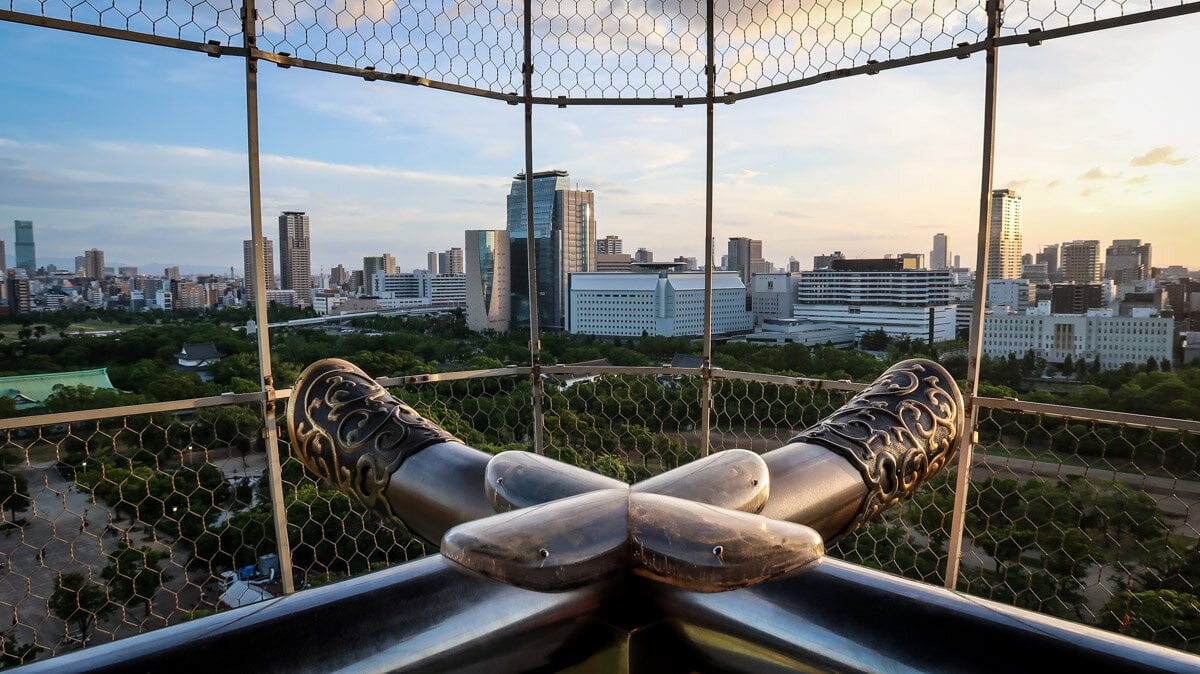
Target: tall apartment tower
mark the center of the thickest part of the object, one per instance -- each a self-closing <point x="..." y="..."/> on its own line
<point x="451" y="262"/>
<point x="268" y="254"/>
<point x="385" y="263"/>
<point x="1127" y="260"/>
<point x="488" y="275"/>
<point x="23" y="248"/>
<point x="1004" y="248"/>
<point x="745" y="257"/>
<point x="295" y="256"/>
<point x="940" y="257"/>
<point x="1081" y="261"/>
<point x="3" y="260"/>
<point x="564" y="241"/>
<point x="93" y="263"/>
<point x="431" y="261"/>
<point x="609" y="245"/>
<point x="1049" y="257"/>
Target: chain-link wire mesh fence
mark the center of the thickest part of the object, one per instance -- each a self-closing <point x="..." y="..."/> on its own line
<point x="586" y="49"/>
<point x="122" y="524"/>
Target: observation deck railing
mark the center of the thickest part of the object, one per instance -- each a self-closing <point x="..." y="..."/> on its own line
<point x="1080" y="513"/>
<point x="1071" y="512"/>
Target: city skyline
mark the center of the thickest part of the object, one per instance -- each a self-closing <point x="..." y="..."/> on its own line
<point x="134" y="181"/>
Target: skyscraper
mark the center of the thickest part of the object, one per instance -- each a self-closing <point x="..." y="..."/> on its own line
<point x="431" y="261"/>
<point x="1004" y="247"/>
<point x="248" y="267"/>
<point x="745" y="257"/>
<point x="172" y="273"/>
<point x="940" y="257"/>
<point x="609" y="245"/>
<point x="24" y="250"/>
<point x="3" y="259"/>
<point x="295" y="256"/>
<point x="1127" y="260"/>
<point x="488" y="275"/>
<point x="385" y="263"/>
<point x="450" y="262"/>
<point x="564" y="241"/>
<point x="1081" y="261"/>
<point x="1048" y="257"/>
<point x="93" y="263"/>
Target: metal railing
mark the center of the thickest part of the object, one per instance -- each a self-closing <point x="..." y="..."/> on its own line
<point x="184" y="481"/>
<point x="1073" y="512"/>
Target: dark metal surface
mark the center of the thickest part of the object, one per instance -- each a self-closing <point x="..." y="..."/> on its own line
<point x="840" y="617"/>
<point x="426" y="616"/>
<point x="349" y="430"/>
<point x="423" y="616"/>
<point x="898" y="432"/>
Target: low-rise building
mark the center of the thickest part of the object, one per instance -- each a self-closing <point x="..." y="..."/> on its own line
<point x="780" y="331"/>
<point x="670" y="304"/>
<point x="1113" y="340"/>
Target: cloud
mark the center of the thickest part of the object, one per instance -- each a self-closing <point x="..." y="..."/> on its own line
<point x="1053" y="183"/>
<point x="1098" y="174"/>
<point x="1138" y="180"/>
<point x="1164" y="154"/>
<point x="793" y="215"/>
<point x="1090" y="191"/>
<point x="741" y="177"/>
<point x="1017" y="184"/>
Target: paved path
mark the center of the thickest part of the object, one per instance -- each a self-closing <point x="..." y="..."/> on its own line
<point x="66" y="533"/>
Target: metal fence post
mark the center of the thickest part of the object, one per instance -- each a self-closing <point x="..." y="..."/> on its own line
<point x="535" y="344"/>
<point x="274" y="475"/>
<point x="706" y="386"/>
<point x="995" y="9"/>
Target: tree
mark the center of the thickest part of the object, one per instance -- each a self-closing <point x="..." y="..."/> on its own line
<point x="14" y="492"/>
<point x="79" y="601"/>
<point x="15" y="653"/>
<point x="133" y="575"/>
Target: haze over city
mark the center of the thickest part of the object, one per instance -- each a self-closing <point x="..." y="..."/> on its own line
<point x="140" y="151"/>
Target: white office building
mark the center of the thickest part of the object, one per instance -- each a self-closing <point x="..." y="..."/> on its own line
<point x="1115" y="340"/>
<point x="1018" y="293"/>
<point x="670" y="304"/>
<point x="901" y="302"/>
<point x="419" y="288"/>
<point x="772" y="296"/>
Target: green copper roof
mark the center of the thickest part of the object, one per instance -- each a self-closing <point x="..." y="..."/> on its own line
<point x="31" y="389"/>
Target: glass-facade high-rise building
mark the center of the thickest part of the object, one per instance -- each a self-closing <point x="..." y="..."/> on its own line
<point x="295" y="256"/>
<point x="564" y="241"/>
<point x="23" y="249"/>
<point x="488" y="274"/>
<point x="1004" y="246"/>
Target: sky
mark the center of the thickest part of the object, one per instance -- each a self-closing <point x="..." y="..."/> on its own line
<point x="140" y="151"/>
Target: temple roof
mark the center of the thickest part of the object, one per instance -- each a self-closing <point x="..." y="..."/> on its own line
<point x="30" y="390"/>
<point x="202" y="351"/>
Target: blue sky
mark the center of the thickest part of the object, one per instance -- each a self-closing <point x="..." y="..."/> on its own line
<point x="140" y="151"/>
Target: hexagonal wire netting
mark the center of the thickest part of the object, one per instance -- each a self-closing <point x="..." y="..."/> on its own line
<point x="126" y="522"/>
